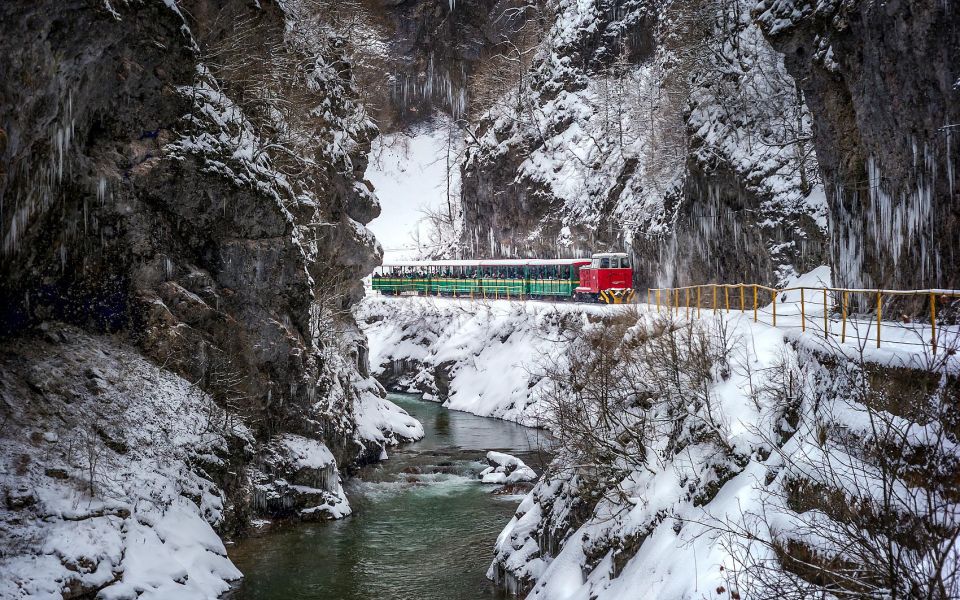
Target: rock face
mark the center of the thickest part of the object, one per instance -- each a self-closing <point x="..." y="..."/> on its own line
<point x="883" y="90"/>
<point x="627" y="134"/>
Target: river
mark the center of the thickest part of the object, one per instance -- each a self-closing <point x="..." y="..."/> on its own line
<point x="423" y="527"/>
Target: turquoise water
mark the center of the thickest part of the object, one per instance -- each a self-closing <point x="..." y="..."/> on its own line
<point x="423" y="527"/>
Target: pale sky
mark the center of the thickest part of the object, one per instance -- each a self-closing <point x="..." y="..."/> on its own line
<point x="408" y="174"/>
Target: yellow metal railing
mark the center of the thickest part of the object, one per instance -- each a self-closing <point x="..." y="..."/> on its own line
<point x="836" y="300"/>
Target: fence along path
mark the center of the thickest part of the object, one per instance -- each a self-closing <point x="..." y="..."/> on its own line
<point x="827" y="311"/>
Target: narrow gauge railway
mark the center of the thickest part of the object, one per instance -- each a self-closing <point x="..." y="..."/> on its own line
<point x="606" y="277"/>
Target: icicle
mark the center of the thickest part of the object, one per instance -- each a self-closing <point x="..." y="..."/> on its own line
<point x="101" y="189"/>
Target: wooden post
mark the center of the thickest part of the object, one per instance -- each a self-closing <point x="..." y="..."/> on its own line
<point x="686" y="293"/>
<point x="676" y="301"/>
<point x="933" y="322"/>
<point x="726" y="297"/>
<point x="743" y="305"/>
<point x="754" y="303"/>
<point x="826" y="321"/>
<point x="698" y="301"/>
<point x="879" y="314"/>
<point x="773" y="293"/>
<point x="803" y="313"/>
<point x="658" y="299"/>
<point x="714" y="286"/>
<point x="843" y="316"/>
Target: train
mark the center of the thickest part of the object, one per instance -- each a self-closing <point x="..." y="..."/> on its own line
<point x="605" y="278"/>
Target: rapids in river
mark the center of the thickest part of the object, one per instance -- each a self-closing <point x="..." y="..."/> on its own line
<point x="423" y="526"/>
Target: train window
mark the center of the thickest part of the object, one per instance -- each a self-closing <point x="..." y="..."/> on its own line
<point x="605" y="263"/>
<point x="624" y="262"/>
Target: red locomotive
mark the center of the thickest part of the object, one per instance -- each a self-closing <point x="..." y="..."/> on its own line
<point x="608" y="278"/>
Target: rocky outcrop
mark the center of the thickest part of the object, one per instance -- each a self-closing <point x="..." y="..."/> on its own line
<point x="299" y="477"/>
<point x="883" y="90"/>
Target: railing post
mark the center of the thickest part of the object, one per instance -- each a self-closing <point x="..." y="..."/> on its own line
<point x="698" y="301"/>
<point x="714" y="286"/>
<point x="773" y="294"/>
<point x="658" y="299"/>
<point x="803" y="313"/>
<point x="879" y="313"/>
<point x="933" y="322"/>
<point x="686" y="293"/>
<point x="843" y="317"/>
<point x="754" y="303"/>
<point x="743" y="305"/>
<point x="726" y="297"/>
<point x="826" y="321"/>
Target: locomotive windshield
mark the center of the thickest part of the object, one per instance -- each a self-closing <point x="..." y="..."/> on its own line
<point x="610" y="261"/>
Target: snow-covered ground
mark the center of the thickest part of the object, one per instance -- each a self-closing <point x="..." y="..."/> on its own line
<point x="488" y="357"/>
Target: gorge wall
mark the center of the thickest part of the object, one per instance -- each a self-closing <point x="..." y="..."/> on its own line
<point x="671" y="129"/>
<point x="422" y="58"/>
<point x="180" y="187"/>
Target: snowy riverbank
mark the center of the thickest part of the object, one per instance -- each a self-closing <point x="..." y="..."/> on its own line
<point x="485" y="358"/>
<point x="116" y="475"/>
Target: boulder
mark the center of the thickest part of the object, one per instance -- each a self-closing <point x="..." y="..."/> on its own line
<point x="506" y="469"/>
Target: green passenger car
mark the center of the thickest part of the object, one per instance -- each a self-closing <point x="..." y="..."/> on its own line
<point x="490" y="279"/>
